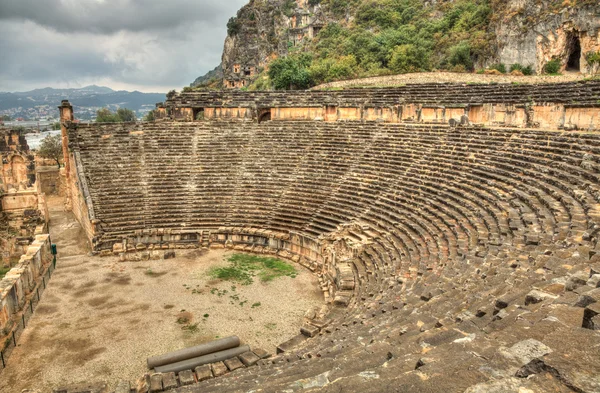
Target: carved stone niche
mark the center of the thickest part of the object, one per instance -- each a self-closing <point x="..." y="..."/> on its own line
<point x="340" y="250"/>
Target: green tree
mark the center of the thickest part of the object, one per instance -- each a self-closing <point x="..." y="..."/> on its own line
<point x="126" y="115"/>
<point x="460" y="54"/>
<point x="290" y="72"/>
<point x="149" y="116"/>
<point x="6" y="118"/>
<point x="408" y="58"/>
<point x="51" y="148"/>
<point x="56" y="126"/>
<point x="104" y="115"/>
<point x="233" y="26"/>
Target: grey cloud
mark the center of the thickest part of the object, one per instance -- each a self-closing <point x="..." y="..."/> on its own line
<point x="149" y="43"/>
<point x="105" y="17"/>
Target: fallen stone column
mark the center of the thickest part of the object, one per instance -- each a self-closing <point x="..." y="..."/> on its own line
<point x="201" y="360"/>
<point x="193" y="352"/>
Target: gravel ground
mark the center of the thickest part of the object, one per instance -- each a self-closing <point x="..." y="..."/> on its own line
<point x="99" y="318"/>
<point x="449" y="77"/>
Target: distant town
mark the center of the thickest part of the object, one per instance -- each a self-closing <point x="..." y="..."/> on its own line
<point x="37" y="109"/>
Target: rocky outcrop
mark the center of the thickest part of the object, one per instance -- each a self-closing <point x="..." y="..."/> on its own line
<point x="533" y="33"/>
<point x="519" y="31"/>
<point x="254" y="38"/>
<point x="213" y="76"/>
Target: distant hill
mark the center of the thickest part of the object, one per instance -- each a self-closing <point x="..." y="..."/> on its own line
<point x="89" y="96"/>
<point x="210" y="78"/>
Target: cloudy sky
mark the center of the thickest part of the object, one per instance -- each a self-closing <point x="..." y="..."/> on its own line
<point x="146" y="45"/>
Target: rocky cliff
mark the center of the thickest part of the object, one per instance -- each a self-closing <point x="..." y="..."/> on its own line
<point x="359" y="38"/>
<point x="535" y="32"/>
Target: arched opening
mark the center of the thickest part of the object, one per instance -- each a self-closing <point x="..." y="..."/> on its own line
<point x="265" y="115"/>
<point x="198" y="113"/>
<point x="574" y="51"/>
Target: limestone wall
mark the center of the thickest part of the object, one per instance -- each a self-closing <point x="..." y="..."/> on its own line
<point x="574" y="105"/>
<point x="20" y="282"/>
<point x="81" y="203"/>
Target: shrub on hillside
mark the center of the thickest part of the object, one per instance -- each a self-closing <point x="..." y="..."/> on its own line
<point x="408" y="58"/>
<point x="460" y="54"/>
<point x="527" y="70"/>
<point x="290" y="73"/>
<point x="552" y="67"/>
<point x="499" y="67"/>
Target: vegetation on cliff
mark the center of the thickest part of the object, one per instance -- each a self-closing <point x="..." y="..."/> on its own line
<point x="379" y="37"/>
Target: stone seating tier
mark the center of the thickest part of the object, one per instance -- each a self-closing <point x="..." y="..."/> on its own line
<point x="473" y="251"/>
<point x="582" y="93"/>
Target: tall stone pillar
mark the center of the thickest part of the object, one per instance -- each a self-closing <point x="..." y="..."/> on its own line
<point x="66" y="115"/>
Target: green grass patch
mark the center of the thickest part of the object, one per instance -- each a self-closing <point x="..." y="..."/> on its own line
<point x="3" y="271"/>
<point x="191" y="328"/>
<point x="243" y="268"/>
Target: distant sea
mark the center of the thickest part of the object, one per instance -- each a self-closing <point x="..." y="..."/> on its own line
<point x="34" y="140"/>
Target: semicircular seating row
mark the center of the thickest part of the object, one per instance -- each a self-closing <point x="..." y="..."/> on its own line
<point x="464" y="224"/>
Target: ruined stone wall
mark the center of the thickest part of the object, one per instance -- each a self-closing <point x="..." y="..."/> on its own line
<point x="574" y="105"/>
<point x="22" y="205"/>
<point x="20" y="283"/>
<point x="452" y="239"/>
<point x="49" y="179"/>
<point x="18" y="164"/>
<point x="81" y="204"/>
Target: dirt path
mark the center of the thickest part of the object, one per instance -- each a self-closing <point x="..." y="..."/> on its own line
<point x="448" y="77"/>
<point x="99" y="318"/>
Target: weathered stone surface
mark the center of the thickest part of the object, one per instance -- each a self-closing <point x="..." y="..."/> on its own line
<point x="526" y="350"/>
<point x="169" y="381"/>
<point x="309" y="330"/>
<point x="186" y="377"/>
<point x="233" y="364"/>
<point x="249" y="358"/>
<point x="123" y="387"/>
<point x="156" y="383"/>
<point x="460" y="241"/>
<point x="218" y="369"/>
<point x="203" y="372"/>
<point x="261" y="353"/>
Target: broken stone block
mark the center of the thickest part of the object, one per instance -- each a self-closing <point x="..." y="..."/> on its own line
<point x="186" y="377"/>
<point x="594" y="281"/>
<point x="576" y="280"/>
<point x="567" y="314"/>
<point x="588" y="298"/>
<point x="233" y="364"/>
<point x="536" y="296"/>
<point x="591" y="317"/>
<point x="500" y="315"/>
<point x="169" y="381"/>
<point x="501" y="303"/>
<point x="203" y="372"/>
<point x="169" y="254"/>
<point x="117" y="248"/>
<point x="261" y="353"/>
<point x="218" y="369"/>
<point x="249" y="358"/>
<point x="525" y="351"/>
<point x="309" y="330"/>
<point x="156" y="383"/>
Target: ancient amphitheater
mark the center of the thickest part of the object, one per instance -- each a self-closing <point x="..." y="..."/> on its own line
<point x="454" y="228"/>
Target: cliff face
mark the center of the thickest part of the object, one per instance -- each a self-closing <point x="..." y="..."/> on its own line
<point x="255" y="36"/>
<point x="535" y="32"/>
<point x="452" y="34"/>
